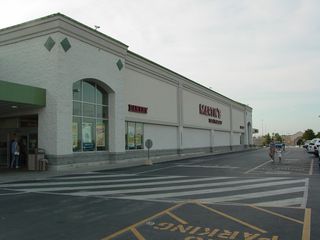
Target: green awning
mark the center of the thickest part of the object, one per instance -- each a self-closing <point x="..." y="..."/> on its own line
<point x="22" y="94"/>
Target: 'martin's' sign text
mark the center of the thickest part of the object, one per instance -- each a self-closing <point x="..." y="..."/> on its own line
<point x="137" y="109"/>
<point x="211" y="112"/>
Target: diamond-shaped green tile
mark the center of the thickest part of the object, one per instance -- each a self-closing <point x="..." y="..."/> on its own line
<point x="65" y="44"/>
<point x="119" y="65"/>
<point x="49" y="44"/>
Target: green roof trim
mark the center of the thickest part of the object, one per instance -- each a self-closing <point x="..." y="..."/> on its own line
<point x="18" y="93"/>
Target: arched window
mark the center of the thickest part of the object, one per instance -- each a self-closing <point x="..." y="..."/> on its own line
<point x="90" y="117"/>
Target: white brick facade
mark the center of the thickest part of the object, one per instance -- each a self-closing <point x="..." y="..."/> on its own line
<point x="173" y="120"/>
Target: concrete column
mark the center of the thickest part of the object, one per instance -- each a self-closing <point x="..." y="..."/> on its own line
<point x="231" y="127"/>
<point x="180" y="117"/>
<point x="116" y="123"/>
<point x="246" y="130"/>
<point x="212" y="140"/>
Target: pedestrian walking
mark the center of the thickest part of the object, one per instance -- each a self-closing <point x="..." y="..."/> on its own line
<point x="279" y="154"/>
<point x="15" y="153"/>
<point x="272" y="150"/>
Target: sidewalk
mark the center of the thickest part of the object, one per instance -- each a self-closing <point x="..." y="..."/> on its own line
<point x="23" y="174"/>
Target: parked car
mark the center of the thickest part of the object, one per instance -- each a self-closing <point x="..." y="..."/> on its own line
<point x="306" y="143"/>
<point x="317" y="148"/>
<point x="313" y="146"/>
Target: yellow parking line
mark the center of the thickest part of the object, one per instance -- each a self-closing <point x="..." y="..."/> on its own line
<point x="311" y="167"/>
<point x="276" y="214"/>
<point x="142" y="221"/>
<point x="232" y="218"/>
<point x="137" y="234"/>
<point x="307" y="224"/>
<point x="180" y="220"/>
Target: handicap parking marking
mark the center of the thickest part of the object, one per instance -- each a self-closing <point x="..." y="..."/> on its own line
<point x="147" y="221"/>
<point x="194" y="220"/>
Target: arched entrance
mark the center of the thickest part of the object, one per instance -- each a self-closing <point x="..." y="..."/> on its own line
<point x="90" y="116"/>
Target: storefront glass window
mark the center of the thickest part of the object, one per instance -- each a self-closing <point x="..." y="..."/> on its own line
<point x="89" y="92"/>
<point x="90" y="117"/>
<point x="102" y="111"/>
<point x="101" y="97"/>
<point x="101" y="134"/>
<point x="139" y="136"/>
<point x="76" y="134"/>
<point x="77" y="108"/>
<point x="88" y="134"/>
<point x="77" y="95"/>
<point x="134" y="135"/>
<point x="89" y="110"/>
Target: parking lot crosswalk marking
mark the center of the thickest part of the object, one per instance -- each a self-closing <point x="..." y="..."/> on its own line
<point x="267" y="191"/>
<point x="281" y="203"/>
<point x="83" y="187"/>
<point x="205" y="166"/>
<point x="214" y="190"/>
<point x="252" y="195"/>
<point x="52" y="183"/>
<point x="153" y="189"/>
<point x="277" y="214"/>
<point x="100" y="175"/>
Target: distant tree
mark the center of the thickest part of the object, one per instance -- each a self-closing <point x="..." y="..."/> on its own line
<point x="318" y="135"/>
<point x="266" y="139"/>
<point x="308" y="134"/>
<point x="277" y="137"/>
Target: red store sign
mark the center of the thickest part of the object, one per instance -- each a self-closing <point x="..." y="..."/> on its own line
<point x="137" y="109"/>
<point x="211" y="112"/>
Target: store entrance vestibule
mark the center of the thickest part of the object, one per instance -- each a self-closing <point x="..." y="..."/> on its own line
<point x="25" y="130"/>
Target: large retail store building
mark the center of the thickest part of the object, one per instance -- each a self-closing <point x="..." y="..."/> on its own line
<point x="85" y="98"/>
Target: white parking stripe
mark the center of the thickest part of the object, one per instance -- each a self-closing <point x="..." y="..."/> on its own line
<point x="122" y="185"/>
<point x="157" y="189"/>
<point x="305" y="194"/>
<point x="252" y="169"/>
<point x="93" y="176"/>
<point x="216" y="190"/>
<point x="85" y="182"/>
<point x="252" y="195"/>
<point x="205" y="166"/>
<point x="281" y="203"/>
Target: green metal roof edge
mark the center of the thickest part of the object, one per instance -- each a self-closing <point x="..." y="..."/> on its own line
<point x="18" y="93"/>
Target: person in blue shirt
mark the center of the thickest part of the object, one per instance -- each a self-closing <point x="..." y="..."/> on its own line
<point x="15" y="152"/>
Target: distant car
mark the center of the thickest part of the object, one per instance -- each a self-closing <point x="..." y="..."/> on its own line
<point x="280" y="146"/>
<point x="313" y="146"/>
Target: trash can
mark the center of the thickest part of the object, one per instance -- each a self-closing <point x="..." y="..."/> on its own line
<point x="34" y="158"/>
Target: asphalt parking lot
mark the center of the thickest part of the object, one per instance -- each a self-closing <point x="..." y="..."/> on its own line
<point x="240" y="196"/>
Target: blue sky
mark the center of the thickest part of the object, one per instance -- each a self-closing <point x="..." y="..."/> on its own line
<point x="264" y="53"/>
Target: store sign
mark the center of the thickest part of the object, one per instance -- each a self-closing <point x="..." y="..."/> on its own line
<point x="209" y="111"/>
<point x="137" y="109"/>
